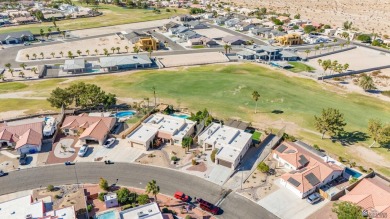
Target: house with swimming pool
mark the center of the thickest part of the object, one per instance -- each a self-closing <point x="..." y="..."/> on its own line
<point x="232" y="143"/>
<point x="116" y="63"/>
<point x="160" y="128"/>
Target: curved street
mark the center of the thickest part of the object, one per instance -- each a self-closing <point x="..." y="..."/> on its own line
<point x="133" y="175"/>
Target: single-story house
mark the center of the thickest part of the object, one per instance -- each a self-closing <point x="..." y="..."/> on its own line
<point x="195" y="25"/>
<point x="90" y="129"/>
<point x="189" y="35"/>
<point x="220" y="20"/>
<point x="232" y="22"/>
<point x="372" y="194"/>
<point x="50" y="16"/>
<point x="307" y="171"/>
<point x="161" y="128"/>
<point x="23" y="20"/>
<point x="244" y="26"/>
<point x="178" y="30"/>
<point x="232" y="143"/>
<point x="260" y="30"/>
<point x="16" y="37"/>
<point x="185" y="18"/>
<point x="125" y="62"/>
<point x="25" y="138"/>
<point x="202" y="41"/>
<point x="288" y="55"/>
<point x="74" y="65"/>
<point x="247" y="55"/>
<point x="135" y="36"/>
<point x="233" y="40"/>
<point x="170" y="25"/>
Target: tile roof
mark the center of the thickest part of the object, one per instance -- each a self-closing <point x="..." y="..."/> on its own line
<point x="30" y="137"/>
<point x="22" y="134"/>
<point x="370" y="193"/>
<point x="292" y="154"/>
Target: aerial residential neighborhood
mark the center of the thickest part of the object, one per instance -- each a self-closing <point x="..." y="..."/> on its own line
<point x="190" y="109"/>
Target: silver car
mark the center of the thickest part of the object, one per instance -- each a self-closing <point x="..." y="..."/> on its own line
<point x="314" y="198"/>
<point x="83" y="150"/>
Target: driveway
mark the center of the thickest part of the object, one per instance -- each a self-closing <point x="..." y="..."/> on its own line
<point x="285" y="204"/>
<point x="219" y="174"/>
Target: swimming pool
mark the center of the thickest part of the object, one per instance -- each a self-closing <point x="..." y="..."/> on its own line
<point x="183" y="116"/>
<point x="352" y="173"/>
<point x="124" y="114"/>
<point x="106" y="215"/>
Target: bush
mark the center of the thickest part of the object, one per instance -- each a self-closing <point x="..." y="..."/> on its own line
<point x="386" y="93"/>
<point x="341" y="159"/>
<point x="212" y="156"/>
<point x="353" y="180"/>
<point x="50" y="188"/>
<point x="174" y="158"/>
<point x="188" y="217"/>
<point x="194" y="162"/>
<point x="168" y="10"/>
<point x="362" y="169"/>
<point x="143" y="199"/>
<point x="288" y="137"/>
<point x="352" y="164"/>
<point x="57" y="197"/>
<point x="263" y="167"/>
<point x="89" y="207"/>
<point x="103" y="184"/>
<point x="317" y="147"/>
<point x="124" y="207"/>
<point x="101" y="196"/>
<point x="123" y="195"/>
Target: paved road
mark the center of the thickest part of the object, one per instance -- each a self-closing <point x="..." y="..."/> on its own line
<point x="234" y="206"/>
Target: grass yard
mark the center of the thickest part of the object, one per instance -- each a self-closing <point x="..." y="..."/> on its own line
<point x="31" y="106"/>
<point x="226" y="91"/>
<point x="198" y="47"/>
<point x="256" y="136"/>
<point x="300" y="67"/>
<point x="112" y="15"/>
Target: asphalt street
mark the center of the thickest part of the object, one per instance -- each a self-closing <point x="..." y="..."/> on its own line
<point x="234" y="206"/>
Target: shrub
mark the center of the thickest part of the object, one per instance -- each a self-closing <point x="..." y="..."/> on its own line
<point x="341" y="159"/>
<point x="386" y="93"/>
<point x="57" y="196"/>
<point x="362" y="169"/>
<point x="352" y="164"/>
<point x="124" y="207"/>
<point x="50" y="188"/>
<point x="143" y="199"/>
<point x="263" y="167"/>
<point x="288" y="137"/>
<point x="352" y="180"/>
<point x="194" y="162"/>
<point x="212" y="156"/>
<point x="376" y="73"/>
<point x="165" y="210"/>
<point x="89" y="207"/>
<point x="168" y="10"/>
<point x="174" y="158"/>
<point x="317" y="147"/>
<point x="123" y="195"/>
<point x="101" y="196"/>
<point x="103" y="184"/>
<point x="187" y="217"/>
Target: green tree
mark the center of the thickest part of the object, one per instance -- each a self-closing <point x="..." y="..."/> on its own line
<point x="307" y="51"/>
<point x="255" y="97"/>
<point x="316" y="48"/>
<point x="28" y="56"/>
<point x="186" y="143"/>
<point x="42" y="55"/>
<point x="330" y="120"/>
<point x="113" y="49"/>
<point x="118" y="49"/>
<point x="109" y="100"/>
<point x="366" y="82"/>
<point x="53" y="54"/>
<point x="106" y="52"/>
<point x="123" y="195"/>
<point x="78" y="52"/>
<point x="8" y="65"/>
<point x="375" y="128"/>
<point x="62" y="54"/>
<point x="60" y="97"/>
<point x="103" y="184"/>
<point x="365" y="38"/>
<point x="127" y="49"/>
<point x="347" y="25"/>
<point x="150" y="50"/>
<point x="23" y="65"/>
<point x="153" y="188"/>
<point x="34" y="69"/>
<point x="143" y="199"/>
<point x="2" y="77"/>
<point x="11" y="71"/>
<point x="21" y="74"/>
<point x="309" y="28"/>
<point x="263" y="167"/>
<point x="87" y="51"/>
<point x="297" y="16"/>
<point x="347" y="210"/>
<point x="70" y="55"/>
<point x="96" y="51"/>
<point x="50" y="188"/>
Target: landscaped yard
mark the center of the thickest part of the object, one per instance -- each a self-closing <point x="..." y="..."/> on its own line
<point x="112" y="15"/>
<point x="256" y="136"/>
<point x="226" y="90"/>
<point x="300" y="67"/>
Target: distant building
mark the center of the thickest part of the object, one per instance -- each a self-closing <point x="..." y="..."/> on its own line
<point x="74" y="66"/>
<point x="148" y="211"/>
<point x="233" y="40"/>
<point x="195" y="25"/>
<point x="16" y="37"/>
<point x="115" y="63"/>
<point x="289" y="39"/>
<point x="142" y="40"/>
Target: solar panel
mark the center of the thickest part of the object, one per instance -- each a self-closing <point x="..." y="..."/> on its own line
<point x="281" y="148"/>
<point x="294" y="182"/>
<point x="313" y="180"/>
<point x="303" y="161"/>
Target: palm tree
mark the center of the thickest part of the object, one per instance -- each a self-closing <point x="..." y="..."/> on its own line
<point x="8" y="65"/>
<point x="319" y="61"/>
<point x="346" y="66"/>
<point x="23" y="65"/>
<point x="106" y="52"/>
<point x="113" y="49"/>
<point x="154" y="94"/>
<point x="226" y="47"/>
<point x="135" y="49"/>
<point x="28" y="56"/>
<point x="96" y="51"/>
<point x="153" y="188"/>
<point x="329" y="46"/>
<point x="34" y="70"/>
<point x="63" y="33"/>
<point x="150" y="50"/>
<point x="53" y="54"/>
<point x="127" y="49"/>
<point x="117" y="49"/>
<point x="78" y="52"/>
<point x="326" y="64"/>
<point x="87" y="51"/>
<point x="366" y="82"/>
<point x="42" y="55"/>
<point x="11" y="71"/>
<point x="62" y="54"/>
<point x="70" y="55"/>
<point x="42" y="33"/>
<point x="35" y="56"/>
<point x="255" y="97"/>
<point x="21" y="74"/>
<point x="307" y="52"/>
<point x="316" y="48"/>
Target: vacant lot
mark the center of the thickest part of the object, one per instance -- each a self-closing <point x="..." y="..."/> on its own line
<point x="112" y="15"/>
<point x="226" y="91"/>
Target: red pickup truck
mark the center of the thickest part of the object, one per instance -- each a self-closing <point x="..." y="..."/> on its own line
<point x="181" y="196"/>
<point x="208" y="206"/>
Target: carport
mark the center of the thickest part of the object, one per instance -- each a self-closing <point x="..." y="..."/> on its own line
<point x="224" y="163"/>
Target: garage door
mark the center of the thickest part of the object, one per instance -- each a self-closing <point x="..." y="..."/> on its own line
<point x="136" y="145"/>
<point x="91" y="141"/>
<point x="225" y="163"/>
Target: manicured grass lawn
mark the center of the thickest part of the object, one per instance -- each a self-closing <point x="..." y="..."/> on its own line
<point x="198" y="47"/>
<point x="13" y="86"/>
<point x="112" y="15"/>
<point x="32" y="106"/>
<point x="300" y="67"/>
<point x="256" y="136"/>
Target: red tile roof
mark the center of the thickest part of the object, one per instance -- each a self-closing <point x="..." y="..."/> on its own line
<point x="22" y="134"/>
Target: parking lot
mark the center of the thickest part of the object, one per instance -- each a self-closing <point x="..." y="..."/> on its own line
<point x="285" y="204"/>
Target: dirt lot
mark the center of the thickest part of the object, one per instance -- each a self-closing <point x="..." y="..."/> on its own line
<point x="20" y="73"/>
<point x="365" y="15"/>
<point x="213" y="33"/>
<point x="82" y="45"/>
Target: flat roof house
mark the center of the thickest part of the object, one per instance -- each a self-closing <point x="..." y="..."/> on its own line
<point x="164" y="128"/>
<point x="232" y="143"/>
<point x="91" y="129"/>
<point x="148" y="211"/>
<point x="307" y="171"/>
<point x="25" y="138"/>
<point x="74" y="66"/>
<point x="125" y="62"/>
<point x="16" y="37"/>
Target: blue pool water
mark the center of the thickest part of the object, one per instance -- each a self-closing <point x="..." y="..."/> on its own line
<point x="124" y="114"/>
<point x="106" y="215"/>
<point x="353" y="173"/>
<point x="183" y="116"/>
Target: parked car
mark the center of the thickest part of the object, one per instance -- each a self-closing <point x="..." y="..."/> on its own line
<point x="181" y="196"/>
<point x="109" y="142"/>
<point x="2" y="173"/>
<point x="26" y="43"/>
<point x="83" y="150"/>
<point x="207" y="206"/>
<point x="314" y="198"/>
<point x="23" y="159"/>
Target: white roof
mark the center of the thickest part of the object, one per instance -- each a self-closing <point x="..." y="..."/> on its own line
<point x="21" y="207"/>
<point x="72" y="64"/>
<point x="106" y="62"/>
<point x="110" y="196"/>
<point x="231" y="141"/>
<point x="142" y="134"/>
<point x="63" y="213"/>
<point x="148" y="211"/>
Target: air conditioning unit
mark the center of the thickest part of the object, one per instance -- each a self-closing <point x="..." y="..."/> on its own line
<point x="29" y="216"/>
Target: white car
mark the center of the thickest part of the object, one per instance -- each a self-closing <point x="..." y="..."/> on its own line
<point x="2" y="173"/>
<point x="83" y="150"/>
<point x="109" y="142"/>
